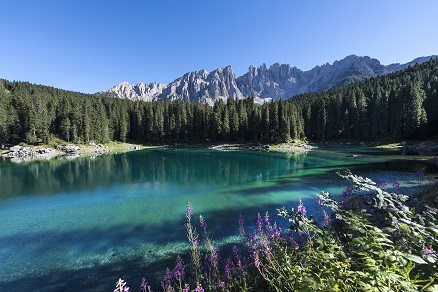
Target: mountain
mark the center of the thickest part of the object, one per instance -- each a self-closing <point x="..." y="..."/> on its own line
<point x="262" y="83"/>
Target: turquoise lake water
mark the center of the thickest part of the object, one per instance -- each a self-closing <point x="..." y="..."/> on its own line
<point x="69" y="225"/>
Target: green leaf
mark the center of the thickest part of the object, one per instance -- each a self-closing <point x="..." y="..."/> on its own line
<point x="389" y="229"/>
<point x="415" y="259"/>
<point x="405" y="228"/>
<point x="431" y="258"/>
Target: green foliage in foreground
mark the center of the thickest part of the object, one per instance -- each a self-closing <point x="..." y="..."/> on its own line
<point x="356" y="252"/>
<point x="370" y="241"/>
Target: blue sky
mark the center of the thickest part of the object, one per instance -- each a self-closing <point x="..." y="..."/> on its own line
<point x="90" y="45"/>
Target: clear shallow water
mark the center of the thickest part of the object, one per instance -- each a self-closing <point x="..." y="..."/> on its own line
<point x="81" y="224"/>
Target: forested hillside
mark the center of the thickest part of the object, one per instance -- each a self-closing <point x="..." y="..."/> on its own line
<point x="401" y="105"/>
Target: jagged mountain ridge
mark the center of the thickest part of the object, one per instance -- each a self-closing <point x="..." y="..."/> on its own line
<point x="262" y="83"/>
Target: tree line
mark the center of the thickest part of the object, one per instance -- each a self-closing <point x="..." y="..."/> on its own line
<point x="400" y="105"/>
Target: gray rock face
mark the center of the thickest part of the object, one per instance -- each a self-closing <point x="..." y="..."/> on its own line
<point x="203" y="86"/>
<point x="262" y="83"/>
<point x="141" y="91"/>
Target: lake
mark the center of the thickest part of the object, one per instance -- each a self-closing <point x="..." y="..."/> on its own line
<point x="80" y="224"/>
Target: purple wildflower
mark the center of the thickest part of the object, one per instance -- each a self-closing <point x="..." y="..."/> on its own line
<point x="167" y="281"/>
<point x="144" y="287"/>
<point x="257" y="261"/>
<point x="202" y="222"/>
<point x="240" y="265"/>
<point x="266" y="218"/>
<point x="396" y="186"/>
<point x="213" y="259"/>
<point x="235" y="251"/>
<point x="301" y="209"/>
<point x="178" y="271"/>
<point x="276" y="232"/>
<point x="121" y="286"/>
<point x="199" y="288"/>
<point x="189" y="211"/>
<point x="228" y="267"/>
<point x="186" y="288"/>
<point x="431" y="179"/>
<point x="222" y="285"/>
<point x="420" y="174"/>
<point x="296" y="245"/>
<point x="427" y="250"/>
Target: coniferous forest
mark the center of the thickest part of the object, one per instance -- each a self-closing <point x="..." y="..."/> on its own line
<point x="402" y="105"/>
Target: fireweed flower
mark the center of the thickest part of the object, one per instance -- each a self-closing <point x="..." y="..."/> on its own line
<point x="301" y="209"/>
<point x="144" y="287"/>
<point x="186" y="288"/>
<point x="196" y="242"/>
<point x="427" y="250"/>
<point x="240" y="264"/>
<point x="189" y="211"/>
<point x="266" y="218"/>
<point x="213" y="259"/>
<point x="167" y="281"/>
<point x="257" y="260"/>
<point x="276" y="232"/>
<point x="202" y="222"/>
<point x="178" y="271"/>
<point x="235" y="254"/>
<point x="296" y="245"/>
<point x="396" y="186"/>
<point x="121" y="286"/>
<point x="199" y="288"/>
<point x="228" y="268"/>
<point x="222" y="285"/>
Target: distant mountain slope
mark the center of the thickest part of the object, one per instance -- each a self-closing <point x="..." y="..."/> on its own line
<point x="262" y="83"/>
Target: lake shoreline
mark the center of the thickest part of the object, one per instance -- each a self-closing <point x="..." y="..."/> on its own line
<point x="24" y="152"/>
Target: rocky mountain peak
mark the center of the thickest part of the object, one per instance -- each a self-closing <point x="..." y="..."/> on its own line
<point x="262" y="83"/>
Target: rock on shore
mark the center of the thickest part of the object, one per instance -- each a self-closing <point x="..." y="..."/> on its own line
<point x="21" y="153"/>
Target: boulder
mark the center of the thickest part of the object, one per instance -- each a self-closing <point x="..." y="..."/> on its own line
<point x="68" y="148"/>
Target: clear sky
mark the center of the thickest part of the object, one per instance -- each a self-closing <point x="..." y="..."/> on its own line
<point x="91" y="45"/>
